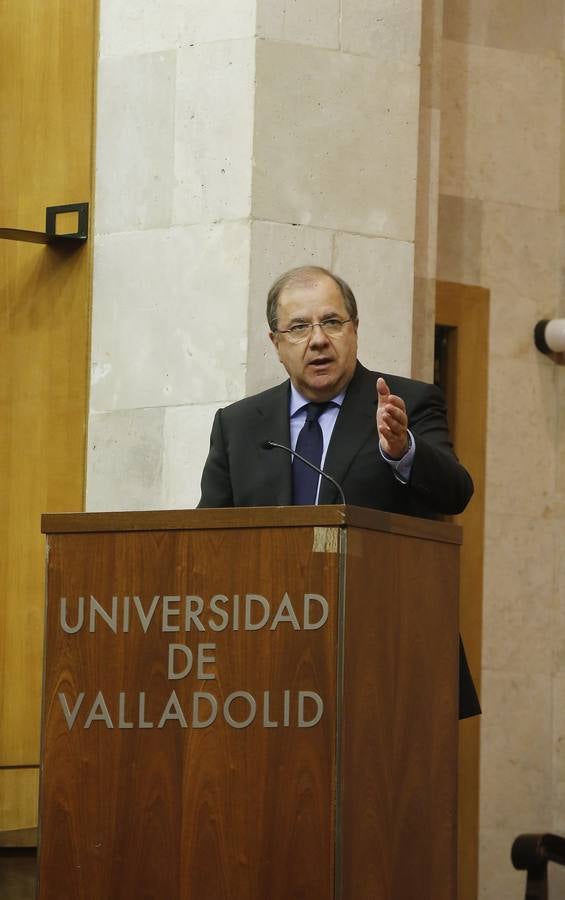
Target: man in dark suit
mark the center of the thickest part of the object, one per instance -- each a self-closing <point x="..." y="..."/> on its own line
<point x="384" y="438"/>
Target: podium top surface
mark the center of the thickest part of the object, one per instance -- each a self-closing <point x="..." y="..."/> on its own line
<point x="250" y="517"/>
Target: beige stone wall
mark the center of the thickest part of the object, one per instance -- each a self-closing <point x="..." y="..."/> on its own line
<point x="500" y="226"/>
<point x="174" y="142"/>
<point x="425" y="257"/>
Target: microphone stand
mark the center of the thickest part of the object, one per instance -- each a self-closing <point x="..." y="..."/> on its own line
<point x="269" y="445"/>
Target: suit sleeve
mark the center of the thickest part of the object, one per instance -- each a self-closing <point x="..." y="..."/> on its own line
<point x="437" y="475"/>
<point x="215" y="485"/>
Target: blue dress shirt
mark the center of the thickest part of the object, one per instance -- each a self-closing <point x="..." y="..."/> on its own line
<point x="297" y="412"/>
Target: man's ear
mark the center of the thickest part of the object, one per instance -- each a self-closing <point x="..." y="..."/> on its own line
<point x="274" y="338"/>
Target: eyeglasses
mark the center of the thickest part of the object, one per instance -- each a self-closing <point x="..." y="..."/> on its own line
<point x="302" y="331"/>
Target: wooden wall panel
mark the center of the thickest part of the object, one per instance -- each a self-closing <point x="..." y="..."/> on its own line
<point x="465" y="309"/>
<point x="46" y="106"/>
<point x="47" y="93"/>
<point x="18" y="798"/>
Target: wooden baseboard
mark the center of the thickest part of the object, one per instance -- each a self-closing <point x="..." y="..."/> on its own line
<point x="19" y="837"/>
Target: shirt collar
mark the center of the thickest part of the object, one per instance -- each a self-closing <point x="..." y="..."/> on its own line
<point x="298" y="402"/>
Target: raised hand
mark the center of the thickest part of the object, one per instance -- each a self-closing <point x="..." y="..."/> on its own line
<point x="392" y="422"/>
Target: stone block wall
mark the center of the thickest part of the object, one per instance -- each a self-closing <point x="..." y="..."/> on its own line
<point x="235" y="140"/>
<point x="500" y="226"/>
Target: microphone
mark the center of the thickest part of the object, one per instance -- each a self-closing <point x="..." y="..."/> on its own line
<point x="268" y="445"/>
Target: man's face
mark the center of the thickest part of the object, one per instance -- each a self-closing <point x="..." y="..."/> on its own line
<point x="321" y="366"/>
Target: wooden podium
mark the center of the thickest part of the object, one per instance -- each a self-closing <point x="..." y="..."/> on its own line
<point x="249" y="704"/>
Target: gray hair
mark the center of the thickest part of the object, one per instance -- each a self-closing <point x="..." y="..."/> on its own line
<point x="306" y="275"/>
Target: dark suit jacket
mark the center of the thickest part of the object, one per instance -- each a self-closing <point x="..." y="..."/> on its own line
<point x="239" y="472"/>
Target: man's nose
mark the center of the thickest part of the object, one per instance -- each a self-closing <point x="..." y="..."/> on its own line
<point x="318" y="337"/>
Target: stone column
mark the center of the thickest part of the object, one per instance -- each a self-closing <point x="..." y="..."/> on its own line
<point x="238" y="138"/>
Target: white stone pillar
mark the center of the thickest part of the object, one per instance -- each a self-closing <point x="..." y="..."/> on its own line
<point x="235" y="139"/>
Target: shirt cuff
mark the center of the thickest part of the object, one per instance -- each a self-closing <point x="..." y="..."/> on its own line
<point x="402" y="467"/>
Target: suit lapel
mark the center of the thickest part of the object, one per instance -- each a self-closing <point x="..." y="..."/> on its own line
<point x="273" y="425"/>
<point x="354" y="426"/>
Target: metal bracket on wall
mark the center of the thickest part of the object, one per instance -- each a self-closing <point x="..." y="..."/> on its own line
<point x="51" y="235"/>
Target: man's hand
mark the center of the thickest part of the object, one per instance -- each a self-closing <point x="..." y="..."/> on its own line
<point x="392" y="422"/>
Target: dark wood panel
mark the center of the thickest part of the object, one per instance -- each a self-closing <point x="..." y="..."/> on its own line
<point x="18" y="873"/>
<point x="212" y="813"/>
<point x="252" y="517"/>
<point x="465" y="308"/>
<point x="399" y="720"/>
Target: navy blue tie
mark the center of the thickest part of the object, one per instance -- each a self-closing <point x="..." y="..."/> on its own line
<point x="310" y="444"/>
